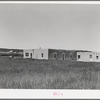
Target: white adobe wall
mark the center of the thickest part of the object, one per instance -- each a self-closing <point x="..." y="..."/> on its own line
<point x="38" y="54"/>
<point x="94" y="54"/>
<point x="27" y="51"/>
<point x="85" y="56"/>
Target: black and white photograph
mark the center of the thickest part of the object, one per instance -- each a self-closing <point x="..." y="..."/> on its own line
<point x="49" y="46"/>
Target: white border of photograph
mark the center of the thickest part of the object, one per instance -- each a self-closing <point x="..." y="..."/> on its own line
<point x="49" y="2"/>
<point x="49" y="93"/>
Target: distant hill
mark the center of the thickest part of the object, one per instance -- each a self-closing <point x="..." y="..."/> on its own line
<point x="6" y="50"/>
<point x="11" y="52"/>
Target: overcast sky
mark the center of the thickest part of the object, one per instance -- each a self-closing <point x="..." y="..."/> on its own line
<point x="66" y="26"/>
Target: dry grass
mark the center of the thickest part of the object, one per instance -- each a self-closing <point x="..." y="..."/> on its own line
<point x="42" y="74"/>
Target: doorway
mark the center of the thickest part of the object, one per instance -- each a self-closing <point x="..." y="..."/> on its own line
<point x="30" y="55"/>
<point x="63" y="56"/>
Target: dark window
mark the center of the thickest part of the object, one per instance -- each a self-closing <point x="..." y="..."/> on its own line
<point x="63" y="56"/>
<point x="79" y="56"/>
<point x="90" y="56"/>
<point x="97" y="57"/>
<point x="27" y="54"/>
<point x="42" y="54"/>
<point x="55" y="55"/>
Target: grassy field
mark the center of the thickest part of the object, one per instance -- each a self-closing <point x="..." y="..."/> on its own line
<point x="43" y="74"/>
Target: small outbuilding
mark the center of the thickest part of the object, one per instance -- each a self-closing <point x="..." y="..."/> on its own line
<point x="88" y="56"/>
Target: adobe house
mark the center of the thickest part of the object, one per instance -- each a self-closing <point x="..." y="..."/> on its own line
<point x="52" y="54"/>
<point x="89" y="56"/>
<point x="28" y="53"/>
<point x="36" y="53"/>
<point x="59" y="54"/>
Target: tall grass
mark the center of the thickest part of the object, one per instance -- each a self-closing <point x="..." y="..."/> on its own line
<point x="48" y="74"/>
